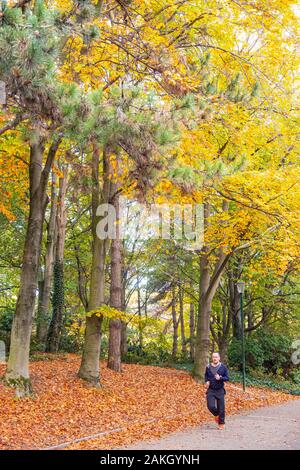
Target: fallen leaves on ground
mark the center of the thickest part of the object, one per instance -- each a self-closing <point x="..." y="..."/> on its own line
<point x="142" y="402"/>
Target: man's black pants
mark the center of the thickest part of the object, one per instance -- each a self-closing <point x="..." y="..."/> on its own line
<point x="216" y="403"/>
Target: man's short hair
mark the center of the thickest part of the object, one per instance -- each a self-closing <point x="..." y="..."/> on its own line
<point x="216" y="352"/>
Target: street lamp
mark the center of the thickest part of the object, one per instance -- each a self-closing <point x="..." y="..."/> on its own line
<point x="241" y="289"/>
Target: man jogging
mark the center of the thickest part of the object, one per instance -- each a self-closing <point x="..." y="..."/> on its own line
<point x="216" y="374"/>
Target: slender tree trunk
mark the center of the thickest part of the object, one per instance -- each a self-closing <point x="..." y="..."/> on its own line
<point x="124" y="345"/>
<point x="224" y="339"/>
<point x="250" y="318"/>
<point x="40" y="300"/>
<point x="223" y="349"/>
<point x="175" y="325"/>
<point x="146" y="302"/>
<point x="236" y="312"/>
<point x="58" y="274"/>
<point x="183" y="339"/>
<point x="114" y="346"/>
<point x="140" y="315"/>
<point x="192" y="331"/>
<point x="45" y="285"/>
<point x="234" y="275"/>
<point x="90" y="366"/>
<point x="224" y="323"/>
<point x="17" y="373"/>
<point x="81" y="279"/>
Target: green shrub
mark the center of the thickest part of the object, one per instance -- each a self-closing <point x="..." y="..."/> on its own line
<point x="6" y="318"/>
<point x="277" y="351"/>
<point x="151" y="353"/>
<point x="295" y="376"/>
<point x="253" y="351"/>
<point x="265" y="350"/>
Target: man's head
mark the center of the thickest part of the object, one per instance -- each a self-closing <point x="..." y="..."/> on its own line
<point x="215" y="358"/>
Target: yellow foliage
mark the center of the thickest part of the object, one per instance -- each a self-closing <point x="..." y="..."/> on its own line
<point x="109" y="313"/>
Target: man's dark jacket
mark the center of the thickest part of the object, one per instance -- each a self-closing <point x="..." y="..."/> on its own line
<point x="214" y="383"/>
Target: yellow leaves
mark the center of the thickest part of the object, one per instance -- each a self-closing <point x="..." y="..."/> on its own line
<point x="269" y="190"/>
<point x="166" y="184"/>
<point x="64" y="5"/>
<point x="160" y="200"/>
<point x="163" y="190"/>
<point x="108" y="312"/>
<point x="13" y="172"/>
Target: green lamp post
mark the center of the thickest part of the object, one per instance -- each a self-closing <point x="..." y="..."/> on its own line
<point x="241" y="289"/>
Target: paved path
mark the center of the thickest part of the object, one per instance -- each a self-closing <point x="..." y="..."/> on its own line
<point x="275" y="427"/>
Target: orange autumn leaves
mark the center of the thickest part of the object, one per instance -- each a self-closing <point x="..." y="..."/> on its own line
<point x="142" y="402"/>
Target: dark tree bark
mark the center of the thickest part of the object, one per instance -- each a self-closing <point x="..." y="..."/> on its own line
<point x="192" y="331"/>
<point x="139" y="314"/>
<point x="183" y="338"/>
<point x="175" y="322"/>
<point x="55" y="326"/>
<point x="225" y="336"/>
<point x="250" y="318"/>
<point x="81" y="279"/>
<point x="221" y="332"/>
<point x="235" y="309"/>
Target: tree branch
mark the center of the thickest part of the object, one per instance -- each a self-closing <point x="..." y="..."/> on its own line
<point x="49" y="162"/>
<point x="11" y="125"/>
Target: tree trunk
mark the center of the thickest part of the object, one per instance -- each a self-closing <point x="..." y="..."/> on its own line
<point x="140" y="315"/>
<point x="223" y="350"/>
<point x="90" y="367"/>
<point x="124" y="345"/>
<point x="223" y="340"/>
<point x="250" y="318"/>
<point x="45" y="285"/>
<point x="114" y="346"/>
<point x="192" y="331"/>
<point x="234" y="275"/>
<point x="202" y="347"/>
<point x="236" y="313"/>
<point x="58" y="287"/>
<point x="17" y="373"/>
<point x="183" y="339"/>
<point x="175" y="325"/>
<point x="81" y="279"/>
<point x="146" y="302"/>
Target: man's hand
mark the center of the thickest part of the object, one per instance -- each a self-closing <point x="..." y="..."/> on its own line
<point x="207" y="384"/>
<point x="217" y="377"/>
